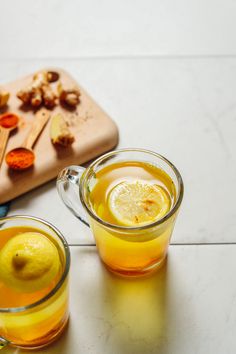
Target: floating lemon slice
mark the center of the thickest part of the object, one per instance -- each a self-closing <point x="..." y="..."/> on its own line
<point x="136" y="203"/>
<point x="29" y="262"/>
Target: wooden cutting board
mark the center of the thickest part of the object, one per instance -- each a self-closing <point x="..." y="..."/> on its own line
<point x="95" y="133"/>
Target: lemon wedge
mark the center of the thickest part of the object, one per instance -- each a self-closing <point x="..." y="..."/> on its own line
<point x="29" y="262"/>
<point x="136" y="203"/>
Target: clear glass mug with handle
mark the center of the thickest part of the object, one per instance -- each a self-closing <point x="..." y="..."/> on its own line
<point x="40" y="322"/>
<point x="126" y="250"/>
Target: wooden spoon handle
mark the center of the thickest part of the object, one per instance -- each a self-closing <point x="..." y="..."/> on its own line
<point x="39" y="123"/>
<point x="4" y="134"/>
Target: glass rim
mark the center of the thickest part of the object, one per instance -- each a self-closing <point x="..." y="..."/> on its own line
<point x="133" y="228"/>
<point x="63" y="276"/>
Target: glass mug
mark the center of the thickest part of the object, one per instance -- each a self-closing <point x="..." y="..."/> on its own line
<point x="39" y="323"/>
<point x="126" y="250"/>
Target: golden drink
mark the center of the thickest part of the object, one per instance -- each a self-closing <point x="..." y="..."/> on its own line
<point x="32" y="319"/>
<point x="134" y="246"/>
<point x="131" y="198"/>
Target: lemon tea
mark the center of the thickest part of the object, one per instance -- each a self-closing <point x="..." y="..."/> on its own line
<point x="132" y="194"/>
<point x="131" y="198"/>
<point x="33" y="311"/>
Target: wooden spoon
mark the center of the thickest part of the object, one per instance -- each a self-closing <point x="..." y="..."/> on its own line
<point x="23" y="156"/>
<point x="8" y="122"/>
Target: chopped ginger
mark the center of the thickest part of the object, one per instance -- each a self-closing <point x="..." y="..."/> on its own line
<point x="60" y="132"/>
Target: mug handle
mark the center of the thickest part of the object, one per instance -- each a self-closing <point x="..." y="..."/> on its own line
<point x="3" y="342"/>
<point x="68" y="184"/>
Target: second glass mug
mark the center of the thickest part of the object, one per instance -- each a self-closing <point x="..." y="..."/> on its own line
<point x="126" y="250"/>
<point x="38" y="324"/>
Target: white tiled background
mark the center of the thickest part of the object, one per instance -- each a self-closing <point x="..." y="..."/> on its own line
<point x="165" y="71"/>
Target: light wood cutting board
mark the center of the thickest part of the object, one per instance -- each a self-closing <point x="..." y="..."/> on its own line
<point x="95" y="133"/>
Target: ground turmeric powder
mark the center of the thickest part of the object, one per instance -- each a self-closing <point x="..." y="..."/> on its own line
<point x="8" y="120"/>
<point x="20" y="159"/>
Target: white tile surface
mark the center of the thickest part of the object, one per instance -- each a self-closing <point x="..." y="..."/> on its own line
<point x="166" y="72"/>
<point x="188" y="307"/>
<point x="183" y="109"/>
<point x="58" y="28"/>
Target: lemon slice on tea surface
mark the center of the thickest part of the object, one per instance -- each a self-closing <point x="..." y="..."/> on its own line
<point x="29" y="262"/>
<point x="136" y="203"/>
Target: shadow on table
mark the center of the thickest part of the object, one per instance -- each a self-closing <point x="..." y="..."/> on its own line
<point x="114" y="315"/>
<point x="129" y="316"/>
<point x="135" y="311"/>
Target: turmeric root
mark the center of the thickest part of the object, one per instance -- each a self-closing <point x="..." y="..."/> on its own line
<point x="52" y="76"/>
<point x="59" y="131"/>
<point x="68" y="96"/>
<point x="4" y="97"/>
<point x="39" y="91"/>
<point x="49" y="97"/>
<point x="25" y="95"/>
<point x="36" y="98"/>
<point x="39" y="79"/>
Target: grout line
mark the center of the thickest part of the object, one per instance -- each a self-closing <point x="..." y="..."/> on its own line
<point x="171" y="244"/>
<point x="204" y="244"/>
<point x="153" y="56"/>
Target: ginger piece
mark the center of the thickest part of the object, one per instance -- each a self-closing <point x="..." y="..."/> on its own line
<point x="4" y="97"/>
<point x="44" y="77"/>
<point x="69" y="96"/>
<point x="30" y="96"/>
<point x="36" y="98"/>
<point x="38" y="92"/>
<point x="25" y="95"/>
<point x="49" y="97"/>
<point x="59" y="132"/>
<point x="39" y="79"/>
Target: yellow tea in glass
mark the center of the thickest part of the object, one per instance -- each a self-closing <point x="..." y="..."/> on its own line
<point x="132" y="194"/>
<point x="34" y="264"/>
<point x="132" y="198"/>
